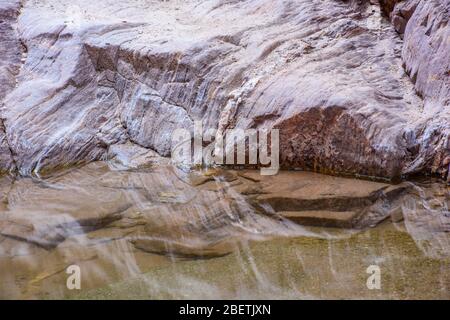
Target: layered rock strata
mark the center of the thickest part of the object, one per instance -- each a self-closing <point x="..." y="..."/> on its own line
<point x="347" y="93"/>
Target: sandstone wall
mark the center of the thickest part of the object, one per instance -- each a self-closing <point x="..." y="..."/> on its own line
<point x="11" y="55"/>
<point x="348" y="94"/>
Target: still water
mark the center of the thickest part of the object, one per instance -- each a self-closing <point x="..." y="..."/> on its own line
<point x="161" y="232"/>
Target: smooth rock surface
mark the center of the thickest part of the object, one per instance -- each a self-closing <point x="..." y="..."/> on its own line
<point x="339" y="219"/>
<point x="328" y="74"/>
<point x="314" y="199"/>
<point x="116" y="224"/>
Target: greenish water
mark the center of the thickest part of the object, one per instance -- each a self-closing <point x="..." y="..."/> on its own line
<point x="298" y="268"/>
<point x="157" y="233"/>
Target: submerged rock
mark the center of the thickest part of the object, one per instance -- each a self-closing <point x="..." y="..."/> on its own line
<point x="165" y="207"/>
<point x="183" y="250"/>
<point x="120" y="223"/>
<point x="328" y="74"/>
<point x="320" y="200"/>
<point x="338" y="219"/>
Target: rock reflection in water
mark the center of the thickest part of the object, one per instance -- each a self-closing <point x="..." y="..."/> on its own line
<point x="164" y="233"/>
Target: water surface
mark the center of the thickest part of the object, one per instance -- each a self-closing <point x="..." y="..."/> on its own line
<point x="164" y="233"/>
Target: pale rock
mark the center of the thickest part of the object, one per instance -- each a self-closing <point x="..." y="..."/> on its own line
<point x="328" y="74"/>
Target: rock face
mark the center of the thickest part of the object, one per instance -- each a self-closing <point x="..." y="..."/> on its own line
<point x="424" y="26"/>
<point x="328" y="74"/>
<point x="11" y="55"/>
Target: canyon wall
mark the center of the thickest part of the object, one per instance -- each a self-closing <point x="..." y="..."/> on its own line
<point x="351" y="92"/>
<point x="424" y="27"/>
<point x="10" y="63"/>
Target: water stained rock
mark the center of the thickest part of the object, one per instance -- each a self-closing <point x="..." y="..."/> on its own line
<point x="181" y="250"/>
<point x="45" y="220"/>
<point x="314" y="199"/>
<point x="351" y="92"/>
<point x="329" y="74"/>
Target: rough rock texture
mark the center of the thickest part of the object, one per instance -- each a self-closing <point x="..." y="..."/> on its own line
<point x="424" y="26"/>
<point x="328" y="74"/>
<point x="11" y="55"/>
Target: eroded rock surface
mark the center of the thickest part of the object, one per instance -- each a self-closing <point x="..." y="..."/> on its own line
<point x="424" y="26"/>
<point x="11" y="53"/>
<point x="328" y="74"/>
